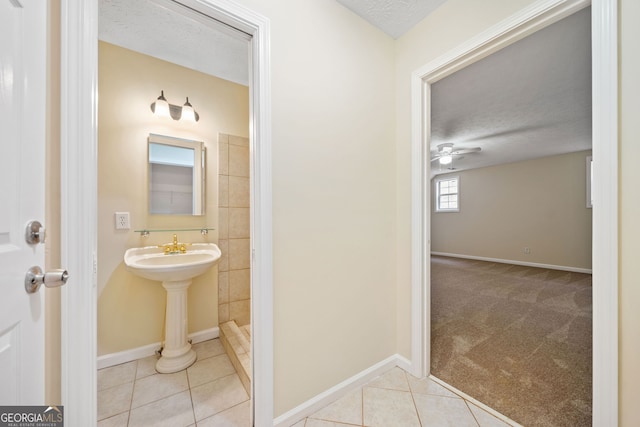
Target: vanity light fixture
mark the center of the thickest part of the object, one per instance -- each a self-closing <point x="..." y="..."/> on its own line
<point x="163" y="109"/>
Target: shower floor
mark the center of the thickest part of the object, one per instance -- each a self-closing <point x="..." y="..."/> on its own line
<point x="237" y="343"/>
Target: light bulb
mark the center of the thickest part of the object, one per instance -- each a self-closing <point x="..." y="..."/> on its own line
<point x="162" y="106"/>
<point x="187" y="112"/>
<point x="445" y="160"/>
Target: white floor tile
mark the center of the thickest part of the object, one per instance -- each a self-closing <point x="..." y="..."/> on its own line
<point x="172" y="411"/>
<point x="115" y="400"/>
<point x="217" y="396"/>
<point x="120" y="420"/>
<point x="158" y="386"/>
<point x="384" y="408"/>
<point x="218" y="399"/>
<point x="428" y="386"/>
<point x="484" y="418"/>
<point x="207" y="370"/>
<point x="238" y="416"/>
<point x="347" y="409"/>
<point x="208" y="349"/>
<point x="146" y="367"/>
<point x="116" y="375"/>
<point x="320" y="423"/>
<point x="443" y="411"/>
<point x="395" y="379"/>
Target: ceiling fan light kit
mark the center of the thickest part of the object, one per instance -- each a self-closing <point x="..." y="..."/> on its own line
<point x="446" y="152"/>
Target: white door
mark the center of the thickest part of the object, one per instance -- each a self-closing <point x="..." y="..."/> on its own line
<point x="22" y="155"/>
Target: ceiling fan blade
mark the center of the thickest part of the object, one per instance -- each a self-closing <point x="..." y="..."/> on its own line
<point x="466" y="150"/>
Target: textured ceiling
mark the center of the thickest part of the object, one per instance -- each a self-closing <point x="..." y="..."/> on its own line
<point x="531" y="99"/>
<point x="394" y="17"/>
<point x="153" y="28"/>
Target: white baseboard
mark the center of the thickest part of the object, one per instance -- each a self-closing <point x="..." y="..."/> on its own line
<point x="403" y="363"/>
<point x="524" y="263"/>
<point x="125" y="356"/>
<point x="329" y="396"/>
<point x="205" y="335"/>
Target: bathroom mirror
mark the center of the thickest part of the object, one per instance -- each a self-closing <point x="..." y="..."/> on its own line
<point x="176" y="176"/>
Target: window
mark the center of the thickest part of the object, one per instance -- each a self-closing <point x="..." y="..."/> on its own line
<point x="447" y="194"/>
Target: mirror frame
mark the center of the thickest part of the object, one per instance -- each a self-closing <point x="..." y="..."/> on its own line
<point x="199" y="173"/>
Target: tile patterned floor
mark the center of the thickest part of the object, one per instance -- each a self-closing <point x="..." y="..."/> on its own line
<point x="209" y="393"/>
<point x="396" y="399"/>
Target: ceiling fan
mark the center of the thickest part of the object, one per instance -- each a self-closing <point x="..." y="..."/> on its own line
<point x="446" y="152"/>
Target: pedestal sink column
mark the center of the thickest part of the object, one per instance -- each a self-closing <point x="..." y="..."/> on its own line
<point x="177" y="353"/>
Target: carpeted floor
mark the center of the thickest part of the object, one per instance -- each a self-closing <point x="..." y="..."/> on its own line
<point x="518" y="339"/>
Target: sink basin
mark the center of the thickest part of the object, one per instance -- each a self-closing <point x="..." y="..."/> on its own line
<point x="150" y="262"/>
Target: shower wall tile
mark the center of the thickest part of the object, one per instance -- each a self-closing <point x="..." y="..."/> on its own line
<point x="223" y="191"/>
<point x="223" y="158"/>
<point x="238" y="192"/>
<point x="223" y="287"/>
<point x="240" y="311"/>
<point x="223" y="313"/>
<point x="223" y="264"/>
<point x="239" y="254"/>
<point x="234" y="229"/>
<point x="238" y="140"/>
<point x="239" y="285"/>
<point x="223" y="223"/>
<point x="239" y="223"/>
<point x="238" y="161"/>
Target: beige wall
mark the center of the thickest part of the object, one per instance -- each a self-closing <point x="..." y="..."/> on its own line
<point x="539" y="204"/>
<point x="333" y="195"/>
<point x="234" y="269"/>
<point x="629" y="213"/>
<point x="131" y="309"/>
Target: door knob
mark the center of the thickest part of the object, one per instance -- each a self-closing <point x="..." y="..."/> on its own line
<point x="51" y="279"/>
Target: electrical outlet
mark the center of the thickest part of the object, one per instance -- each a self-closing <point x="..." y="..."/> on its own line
<point x="527" y="250"/>
<point x="122" y="221"/>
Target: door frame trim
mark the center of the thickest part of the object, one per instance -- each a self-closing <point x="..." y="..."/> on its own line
<point x="605" y="186"/>
<point x="79" y="92"/>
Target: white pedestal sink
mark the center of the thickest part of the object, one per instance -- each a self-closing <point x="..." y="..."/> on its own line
<point x="175" y="271"/>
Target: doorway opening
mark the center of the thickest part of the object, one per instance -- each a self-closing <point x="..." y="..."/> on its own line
<point x="511" y="312"/>
<point x="79" y="179"/>
<point x="604" y="178"/>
